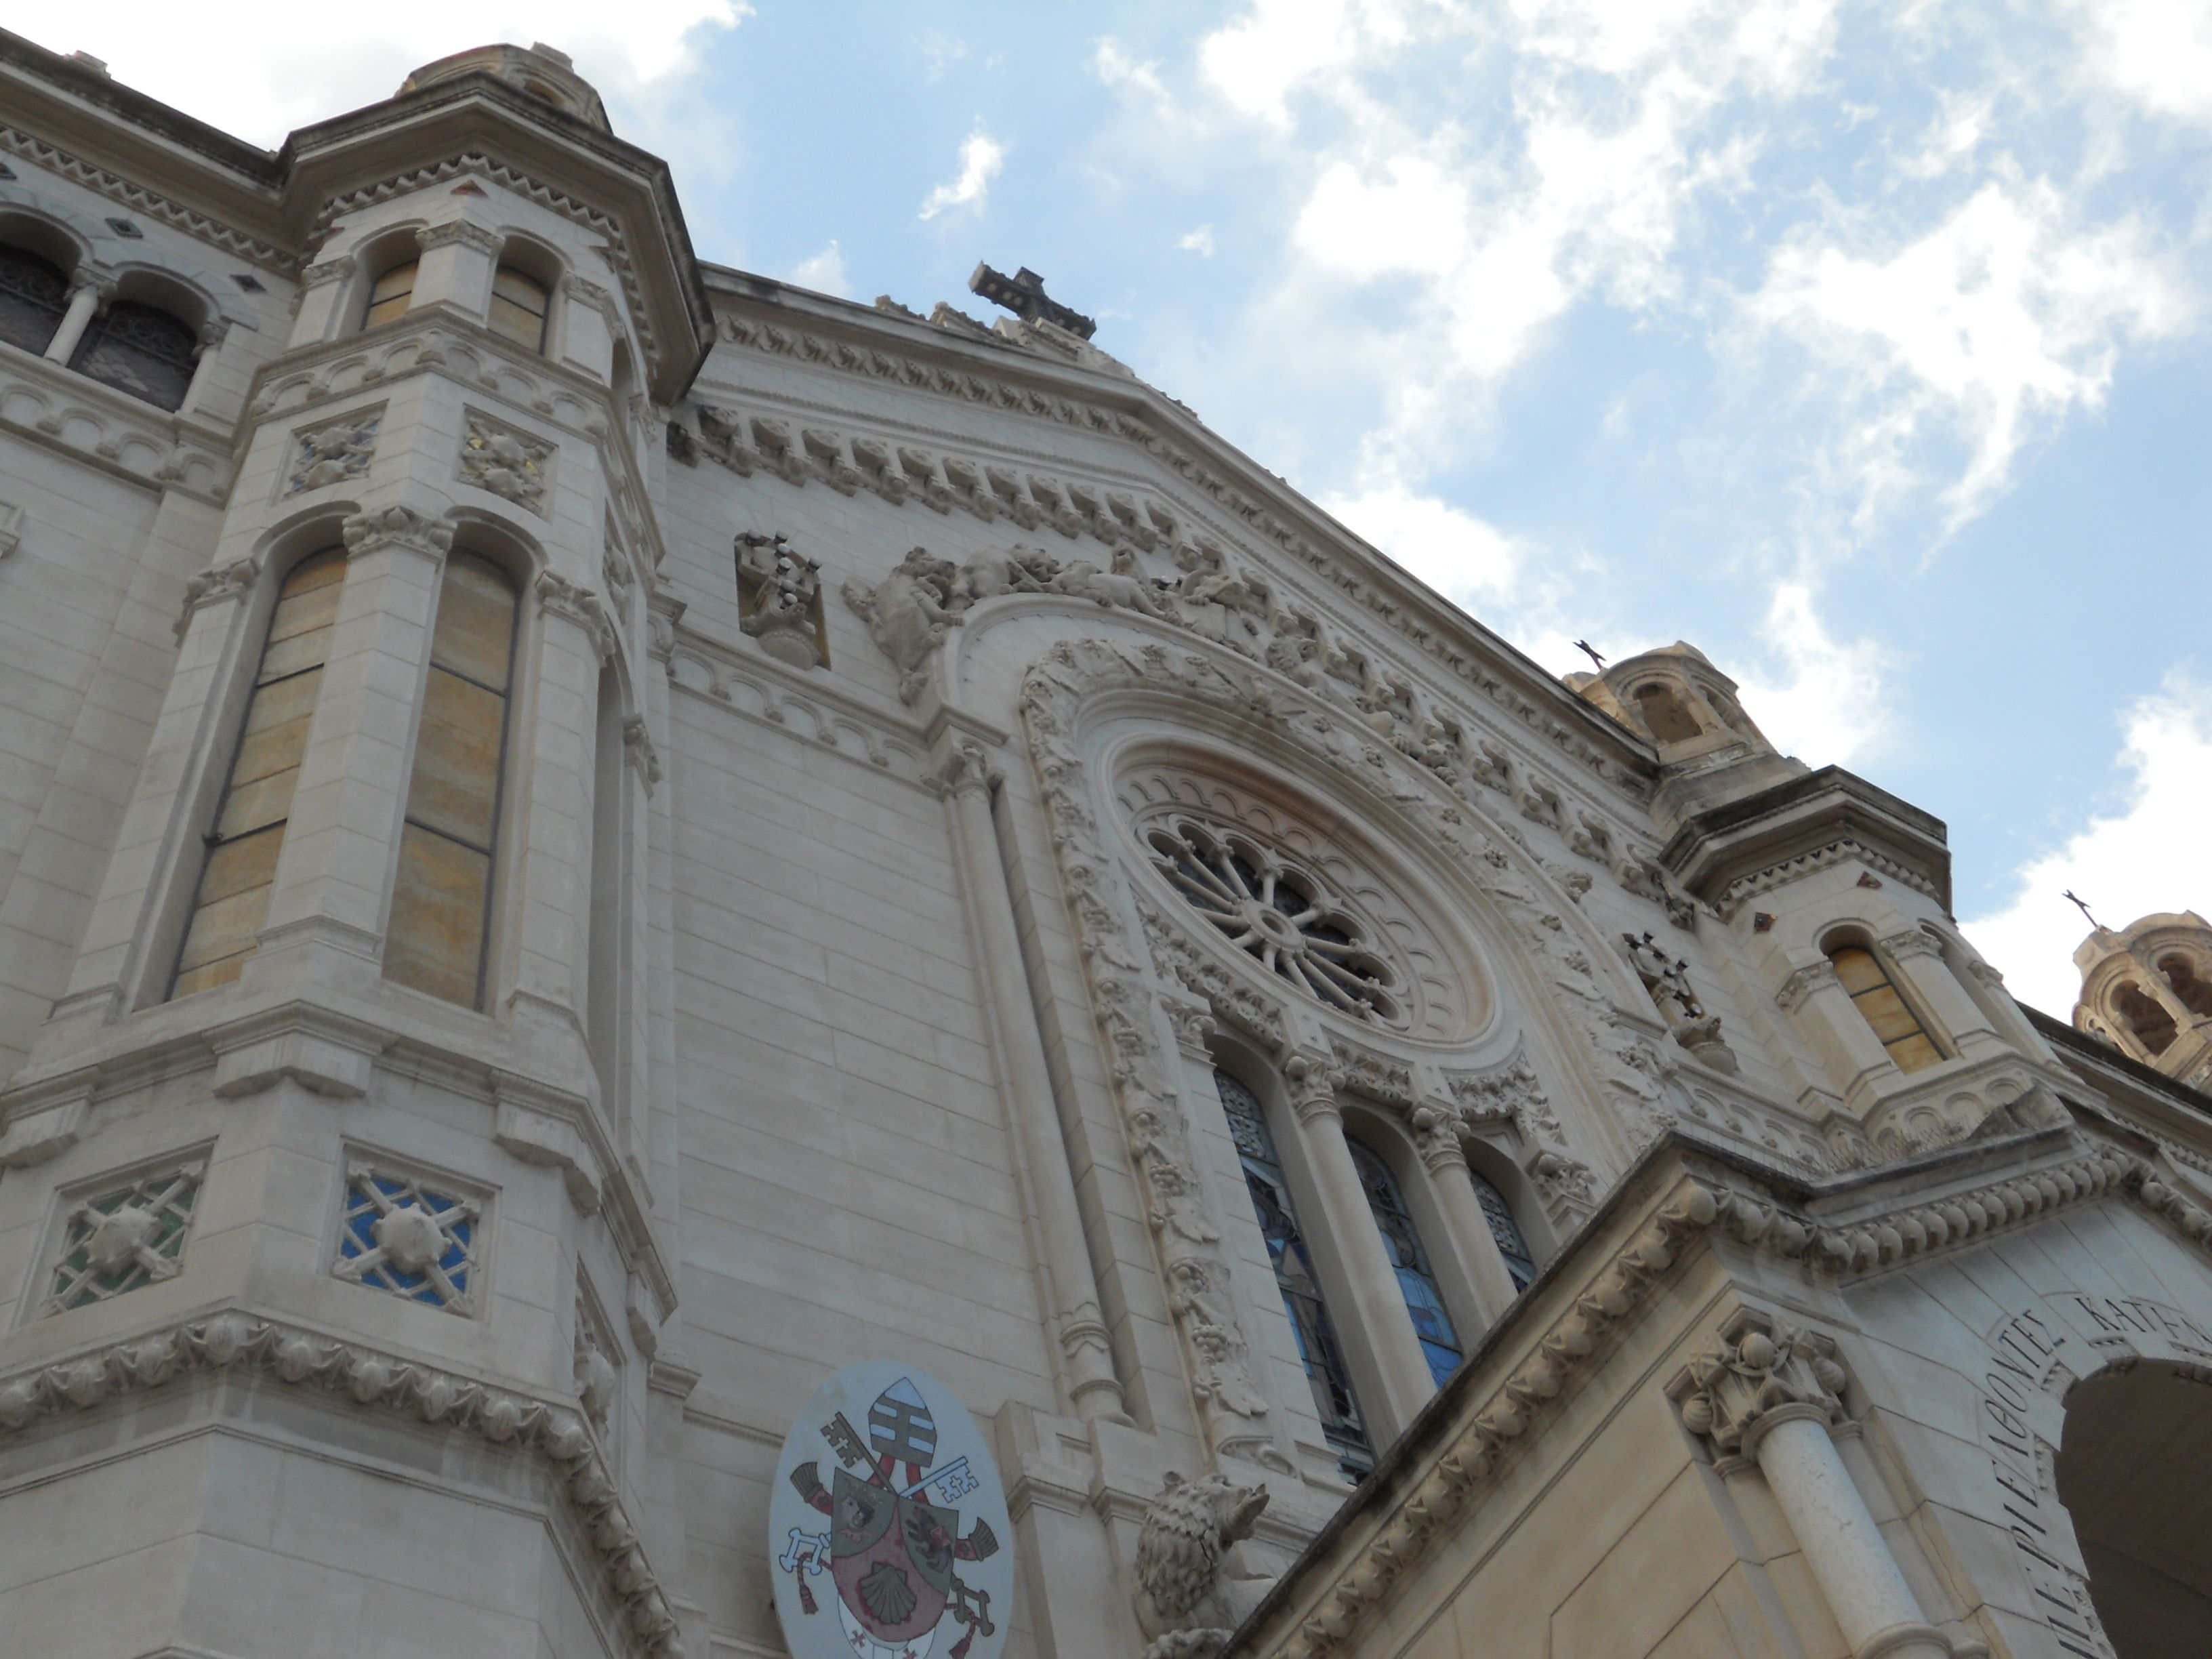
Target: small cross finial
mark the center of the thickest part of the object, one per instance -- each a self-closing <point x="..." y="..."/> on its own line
<point x="2082" y="905"/>
<point x="1590" y="650"/>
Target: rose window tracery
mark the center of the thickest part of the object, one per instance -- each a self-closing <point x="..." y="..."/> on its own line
<point x="1282" y="916"/>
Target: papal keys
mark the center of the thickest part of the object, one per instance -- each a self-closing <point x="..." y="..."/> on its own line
<point x="886" y="1523"/>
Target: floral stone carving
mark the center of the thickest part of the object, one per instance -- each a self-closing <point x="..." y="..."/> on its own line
<point x="126" y="1235"/>
<point x="333" y="453"/>
<point x="496" y="456"/>
<point x="1758" y="1369"/>
<point x="402" y="1235"/>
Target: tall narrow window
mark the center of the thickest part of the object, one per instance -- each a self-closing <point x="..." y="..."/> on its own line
<point x="1423" y="1300"/>
<point x="1891" y="1016"/>
<point x="603" y="979"/>
<point x="33" y="297"/>
<point x="441" y="902"/>
<point x="233" y="901"/>
<point x="1505" y="1229"/>
<point x="390" y="296"/>
<point x="518" y="308"/>
<point x="141" y="351"/>
<point x="1326" y="1375"/>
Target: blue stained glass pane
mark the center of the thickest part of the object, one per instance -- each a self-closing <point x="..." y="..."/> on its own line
<point x="1416" y="1283"/>
<point x="1327" y="1374"/>
<point x="1520" y="1260"/>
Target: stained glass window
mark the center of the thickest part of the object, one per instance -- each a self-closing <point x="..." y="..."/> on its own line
<point x="138" y="350"/>
<point x="442" y="906"/>
<point x="34" y="297"/>
<point x="233" y="901"/>
<point x="1423" y="1300"/>
<point x="1327" y="1374"/>
<point x="405" y="1236"/>
<point x="1520" y="1260"/>
<point x="518" y="308"/>
<point x="391" y="295"/>
<point x="1878" y="1002"/>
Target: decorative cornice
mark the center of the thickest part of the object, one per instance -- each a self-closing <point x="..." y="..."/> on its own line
<point x="1912" y="941"/>
<point x="374" y="1379"/>
<point x="54" y="158"/>
<point x="1802" y="984"/>
<point x="460" y="231"/>
<point x="1745" y="888"/>
<point x="1702" y="1207"/>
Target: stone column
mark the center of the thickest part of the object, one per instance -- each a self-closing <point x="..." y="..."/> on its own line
<point x="323" y="289"/>
<point x="84" y="301"/>
<point x="1769" y="1394"/>
<point x="456" y="268"/>
<point x="1846" y="1027"/>
<point x="203" y="366"/>
<point x="1080" y="1327"/>
<point x="1379" y="1302"/>
<point x="1435" y="1132"/>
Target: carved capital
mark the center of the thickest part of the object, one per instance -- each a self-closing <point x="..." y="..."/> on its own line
<point x="457" y="231"/>
<point x="234" y="581"/>
<point x="1437" y="1130"/>
<point x="1192" y="1019"/>
<point x="330" y="271"/>
<point x="1802" y="983"/>
<point x="637" y="748"/>
<point x="1313" y="1080"/>
<point x="400" y="527"/>
<point x="1758" y="1372"/>
<point x="559" y="596"/>
<point x="1912" y="941"/>
<point x="967" y="769"/>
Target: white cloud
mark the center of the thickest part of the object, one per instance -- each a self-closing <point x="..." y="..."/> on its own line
<point x="1453" y="552"/>
<point x="1115" y="68"/>
<point x="824" y="272"/>
<point x="1979" y="333"/>
<point x="1827" y="707"/>
<point x="264" y="72"/>
<point x="2157" y="51"/>
<point x="2148" y="856"/>
<point x="980" y="159"/>
<point x="1199" y="241"/>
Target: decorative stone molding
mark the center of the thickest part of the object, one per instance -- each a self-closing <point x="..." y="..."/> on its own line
<point x="371" y="1378"/>
<point x="559" y="596"/>
<point x="1312" y="1079"/>
<point x="638" y="750"/>
<point x="112" y="432"/>
<point x="508" y="462"/>
<point x="1745" y="888"/>
<point x="1757" y="1373"/>
<point x="224" y="582"/>
<point x="583" y="291"/>
<point x="1802" y="983"/>
<point x="1380" y="1079"/>
<point x="1512" y="1093"/>
<point x="113" y="186"/>
<point x="327" y="270"/>
<point x="1911" y="942"/>
<point x="460" y="232"/>
<point x="401" y="527"/>
<point x="334" y="452"/>
<point x="751" y="684"/>
<point x="1231" y="999"/>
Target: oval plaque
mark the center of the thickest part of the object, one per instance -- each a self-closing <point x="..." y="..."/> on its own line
<point x="887" y="1523"/>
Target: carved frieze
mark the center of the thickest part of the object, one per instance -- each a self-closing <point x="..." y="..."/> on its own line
<point x="507" y="461"/>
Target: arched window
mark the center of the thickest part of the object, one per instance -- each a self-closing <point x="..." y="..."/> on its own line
<point x="2145" y="1016"/>
<point x="34" y="297"/>
<point x="233" y="901"/>
<point x="1326" y="1375"/>
<point x="1889" y="1015"/>
<point x="518" y="308"/>
<point x="1664" y="716"/>
<point x="390" y="295"/>
<point x="2195" y="995"/>
<point x="441" y="903"/>
<point x="1423" y="1300"/>
<point x="139" y="349"/>
<point x="1512" y="1244"/>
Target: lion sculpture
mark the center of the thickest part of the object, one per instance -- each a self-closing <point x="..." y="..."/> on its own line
<point x="1187" y="1604"/>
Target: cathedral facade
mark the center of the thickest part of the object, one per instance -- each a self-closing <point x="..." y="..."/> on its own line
<point x="587" y="839"/>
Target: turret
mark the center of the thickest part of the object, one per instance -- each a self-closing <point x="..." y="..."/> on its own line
<point x="2147" y="990"/>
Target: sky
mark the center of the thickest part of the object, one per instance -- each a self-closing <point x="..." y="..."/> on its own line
<point x="1866" y="346"/>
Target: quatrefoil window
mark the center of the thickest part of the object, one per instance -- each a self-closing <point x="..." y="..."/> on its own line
<point x="1280" y="914"/>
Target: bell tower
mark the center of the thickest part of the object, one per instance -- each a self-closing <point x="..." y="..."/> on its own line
<point x="2147" y="990"/>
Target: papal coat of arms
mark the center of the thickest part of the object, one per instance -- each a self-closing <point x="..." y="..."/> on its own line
<point x="886" y="1522"/>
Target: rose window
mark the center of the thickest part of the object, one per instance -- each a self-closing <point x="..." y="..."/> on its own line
<point x="1282" y="916"/>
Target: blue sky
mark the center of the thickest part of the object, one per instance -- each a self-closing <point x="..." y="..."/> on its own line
<point x="1866" y="346"/>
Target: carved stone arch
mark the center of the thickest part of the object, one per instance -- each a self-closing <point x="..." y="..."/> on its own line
<point x="49" y="228"/>
<point x="189" y="292"/>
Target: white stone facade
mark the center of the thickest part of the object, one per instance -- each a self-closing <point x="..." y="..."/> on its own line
<point x="929" y="763"/>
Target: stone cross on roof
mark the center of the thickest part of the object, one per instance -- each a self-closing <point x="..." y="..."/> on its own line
<point x="1023" y="295"/>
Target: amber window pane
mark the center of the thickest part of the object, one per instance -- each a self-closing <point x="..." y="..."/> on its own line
<point x="392" y="294"/>
<point x="441" y="904"/>
<point x="518" y="308"/>
<point x="232" y="899"/>
<point x="1891" y="1020"/>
